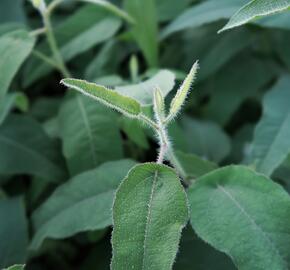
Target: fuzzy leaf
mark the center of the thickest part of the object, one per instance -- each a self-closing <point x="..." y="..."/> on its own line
<point x="271" y="139"/>
<point x="255" y="9"/>
<point x="149" y="212"/>
<point x="182" y="93"/>
<point x="111" y="98"/>
<point x="15" y="267"/>
<point x="158" y="105"/>
<point x="243" y="214"/>
<point x="89" y="194"/>
<point x="14" y="49"/>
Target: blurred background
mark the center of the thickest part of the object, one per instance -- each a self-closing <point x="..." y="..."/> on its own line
<point x="43" y="139"/>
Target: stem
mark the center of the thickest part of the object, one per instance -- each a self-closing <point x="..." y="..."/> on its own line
<point x="149" y="122"/>
<point x="163" y="142"/>
<point x="45" y="59"/>
<point x="53" y="45"/>
<point x="37" y="32"/>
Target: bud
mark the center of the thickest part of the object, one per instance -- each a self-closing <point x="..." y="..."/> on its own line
<point x="134" y="68"/>
<point x="158" y="104"/>
<point x="182" y="93"/>
<point x="39" y="4"/>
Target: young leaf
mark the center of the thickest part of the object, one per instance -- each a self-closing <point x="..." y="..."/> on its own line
<point x="89" y="194"/>
<point x="149" y="212"/>
<point x="255" y="9"/>
<point x="89" y="134"/>
<point x="111" y="98"/>
<point x="271" y="139"/>
<point x="235" y="201"/>
<point x="14" y="49"/>
<point x="182" y="93"/>
<point x="13" y="232"/>
<point x="143" y="92"/>
<point x="158" y="105"/>
<point x="15" y="267"/>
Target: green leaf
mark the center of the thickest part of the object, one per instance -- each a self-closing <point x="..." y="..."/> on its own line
<point x="17" y="99"/>
<point x="206" y="12"/>
<point x="14" y="49"/>
<point x="243" y="214"/>
<point x="89" y="194"/>
<point x="233" y="43"/>
<point x="89" y="133"/>
<point x="12" y="11"/>
<point x="182" y="93"/>
<point x="193" y="165"/>
<point x="111" y="98"/>
<point x="271" y="143"/>
<point x="255" y="9"/>
<point x="135" y="131"/>
<point x="143" y="92"/>
<point x="149" y="212"/>
<point x="82" y="31"/>
<point x="145" y="29"/>
<point x="112" y="8"/>
<point x="26" y="149"/>
<point x="237" y="85"/>
<point x="16" y="267"/>
<point x="205" y="139"/>
<point x="13" y="232"/>
<point x="168" y="12"/>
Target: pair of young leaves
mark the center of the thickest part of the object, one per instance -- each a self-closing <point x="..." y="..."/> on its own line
<point x="150" y="208"/>
<point x="129" y="106"/>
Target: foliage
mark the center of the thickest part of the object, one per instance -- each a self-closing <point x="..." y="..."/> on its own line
<point x="153" y="162"/>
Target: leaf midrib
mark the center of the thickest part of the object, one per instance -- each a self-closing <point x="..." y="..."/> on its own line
<point x="77" y="203"/>
<point x="28" y="150"/>
<point x="88" y="128"/>
<point x="252" y="220"/>
<point x="149" y="218"/>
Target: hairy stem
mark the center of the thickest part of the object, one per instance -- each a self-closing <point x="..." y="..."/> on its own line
<point x="166" y="150"/>
<point x="164" y="143"/>
<point x="149" y="122"/>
